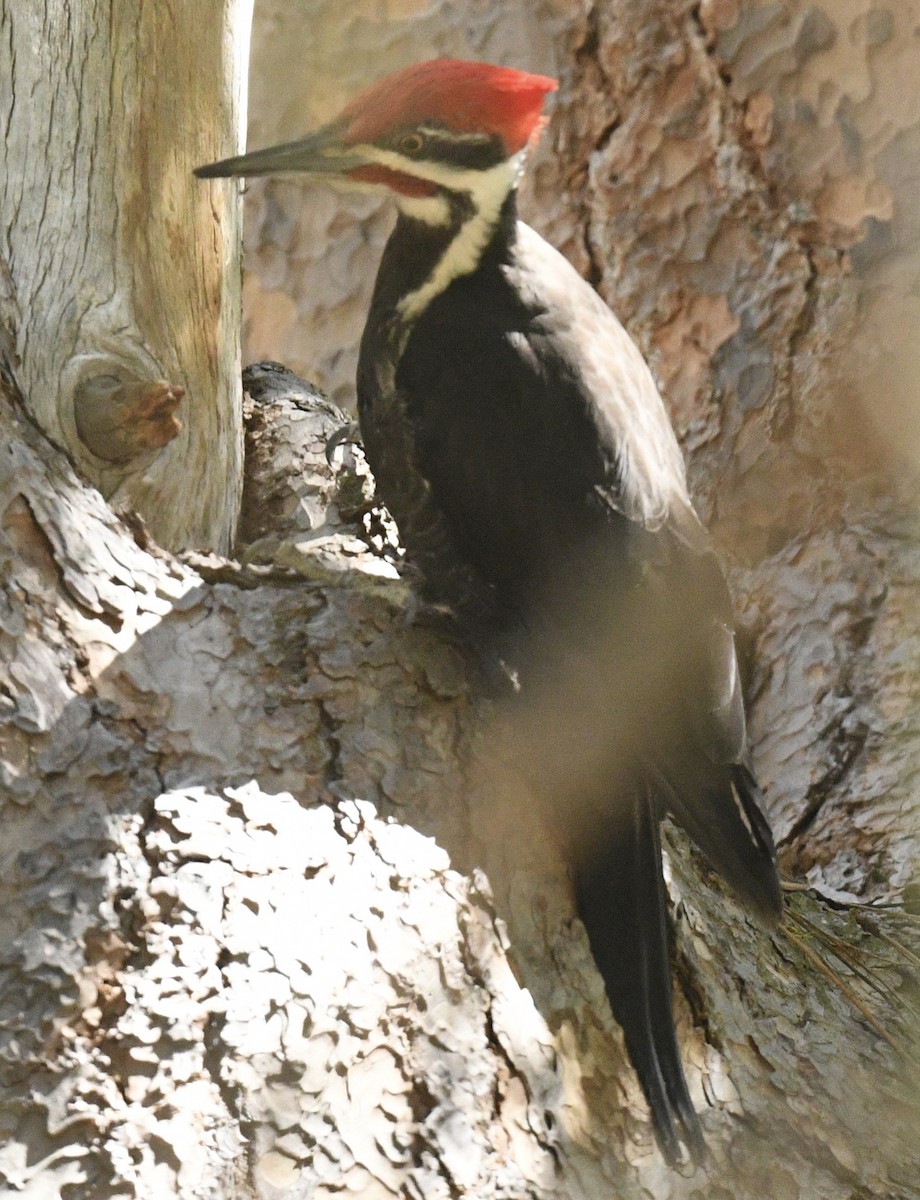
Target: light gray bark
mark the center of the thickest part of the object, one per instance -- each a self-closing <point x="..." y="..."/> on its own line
<point x="739" y="181"/>
<point x="253" y="830"/>
<point x="279" y="918"/>
<point x="123" y="285"/>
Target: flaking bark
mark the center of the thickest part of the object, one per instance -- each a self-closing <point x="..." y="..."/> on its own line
<point x="279" y="919"/>
<point x="739" y="183"/>
<point x="253" y="833"/>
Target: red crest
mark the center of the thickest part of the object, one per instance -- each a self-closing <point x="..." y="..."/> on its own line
<point x="464" y="96"/>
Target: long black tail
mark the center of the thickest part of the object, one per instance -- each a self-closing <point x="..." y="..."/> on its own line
<point x="721" y="811"/>
<point x="621" y="900"/>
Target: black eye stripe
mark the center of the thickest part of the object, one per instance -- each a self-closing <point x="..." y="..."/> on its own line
<point x="475" y="151"/>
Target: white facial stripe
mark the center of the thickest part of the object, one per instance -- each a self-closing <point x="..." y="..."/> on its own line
<point x="455" y="179"/>
<point x="433" y="210"/>
<point x="488" y="190"/>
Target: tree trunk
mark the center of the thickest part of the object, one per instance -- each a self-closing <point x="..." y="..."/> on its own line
<point x="254" y="823"/>
<point x="123" y="284"/>
<point x="739" y="183"/>
<point x="279" y="917"/>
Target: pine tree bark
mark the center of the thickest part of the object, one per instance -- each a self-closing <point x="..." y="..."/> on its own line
<point x="279" y="917"/>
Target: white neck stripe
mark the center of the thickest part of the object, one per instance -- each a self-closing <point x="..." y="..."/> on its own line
<point x="488" y="191"/>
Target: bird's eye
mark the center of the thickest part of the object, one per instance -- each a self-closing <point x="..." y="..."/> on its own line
<point x="412" y="143"/>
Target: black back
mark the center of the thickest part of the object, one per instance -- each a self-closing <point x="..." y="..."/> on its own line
<point x="519" y="441"/>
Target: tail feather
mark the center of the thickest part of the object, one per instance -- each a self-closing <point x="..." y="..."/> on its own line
<point x="721" y="813"/>
<point x="622" y="904"/>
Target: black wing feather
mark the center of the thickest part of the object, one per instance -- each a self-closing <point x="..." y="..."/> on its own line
<point x="531" y="486"/>
<point x="520" y="496"/>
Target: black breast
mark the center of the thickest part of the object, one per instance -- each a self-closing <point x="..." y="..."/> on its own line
<point x="483" y="443"/>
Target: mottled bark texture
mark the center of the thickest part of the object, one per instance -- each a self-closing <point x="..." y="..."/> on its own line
<point x="253" y="829"/>
<point x="123" y="290"/>
<point x="739" y="181"/>
<point x="747" y="208"/>
<point x="278" y="918"/>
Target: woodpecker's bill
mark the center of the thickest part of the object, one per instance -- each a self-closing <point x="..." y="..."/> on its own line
<point x="519" y="441"/>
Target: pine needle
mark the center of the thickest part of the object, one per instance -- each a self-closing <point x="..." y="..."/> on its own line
<point x="850" y="995"/>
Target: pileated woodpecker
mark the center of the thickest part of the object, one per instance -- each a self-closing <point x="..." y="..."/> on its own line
<point x="518" y="439"/>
